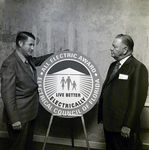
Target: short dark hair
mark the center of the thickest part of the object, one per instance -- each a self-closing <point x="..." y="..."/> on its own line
<point x="127" y="40"/>
<point x="23" y="36"/>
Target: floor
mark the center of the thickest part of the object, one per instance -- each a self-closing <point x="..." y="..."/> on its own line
<point x="38" y="146"/>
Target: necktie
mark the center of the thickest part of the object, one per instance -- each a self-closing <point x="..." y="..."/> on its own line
<point x="28" y="67"/>
<point x="115" y="69"/>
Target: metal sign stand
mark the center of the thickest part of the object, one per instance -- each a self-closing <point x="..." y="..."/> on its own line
<point x="84" y="128"/>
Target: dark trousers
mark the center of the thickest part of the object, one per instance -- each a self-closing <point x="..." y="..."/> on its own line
<point x="21" y="139"/>
<point x="114" y="141"/>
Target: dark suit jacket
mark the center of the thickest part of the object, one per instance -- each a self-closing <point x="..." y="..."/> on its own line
<point x="123" y="97"/>
<point x="19" y="88"/>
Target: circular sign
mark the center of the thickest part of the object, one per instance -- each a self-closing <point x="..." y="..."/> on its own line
<point x="69" y="84"/>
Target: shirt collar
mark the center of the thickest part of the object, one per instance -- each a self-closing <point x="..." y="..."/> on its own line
<point x="123" y="60"/>
<point x="21" y="56"/>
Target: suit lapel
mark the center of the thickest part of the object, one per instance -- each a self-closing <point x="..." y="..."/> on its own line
<point x="120" y="70"/>
<point x="23" y="66"/>
<point x="108" y="80"/>
<point x="34" y="69"/>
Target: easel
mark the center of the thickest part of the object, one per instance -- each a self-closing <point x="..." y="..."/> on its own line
<point x="84" y="128"/>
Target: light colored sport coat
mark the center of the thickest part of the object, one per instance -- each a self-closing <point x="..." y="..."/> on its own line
<point x="19" y="89"/>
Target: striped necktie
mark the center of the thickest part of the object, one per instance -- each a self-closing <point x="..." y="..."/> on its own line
<point x="116" y="68"/>
<point x="28" y="67"/>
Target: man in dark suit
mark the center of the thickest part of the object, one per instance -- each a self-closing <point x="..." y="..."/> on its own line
<point x="122" y="97"/>
<point x="20" y="91"/>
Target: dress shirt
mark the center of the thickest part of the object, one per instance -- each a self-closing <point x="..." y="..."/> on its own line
<point x="123" y="61"/>
<point x="24" y="59"/>
<point x="21" y="56"/>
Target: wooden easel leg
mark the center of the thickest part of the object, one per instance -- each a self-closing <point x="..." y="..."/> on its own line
<point x="83" y="123"/>
<point x="72" y="139"/>
<point x="48" y="130"/>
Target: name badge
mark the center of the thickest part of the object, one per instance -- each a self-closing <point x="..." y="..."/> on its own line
<point x="123" y="77"/>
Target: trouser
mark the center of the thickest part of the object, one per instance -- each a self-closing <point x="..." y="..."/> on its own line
<point x="21" y="139"/>
<point x="114" y="141"/>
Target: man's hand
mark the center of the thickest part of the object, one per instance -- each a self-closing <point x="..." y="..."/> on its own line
<point x="17" y="125"/>
<point x="125" y="132"/>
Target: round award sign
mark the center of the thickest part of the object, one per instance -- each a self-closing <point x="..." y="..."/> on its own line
<point x="69" y="84"/>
